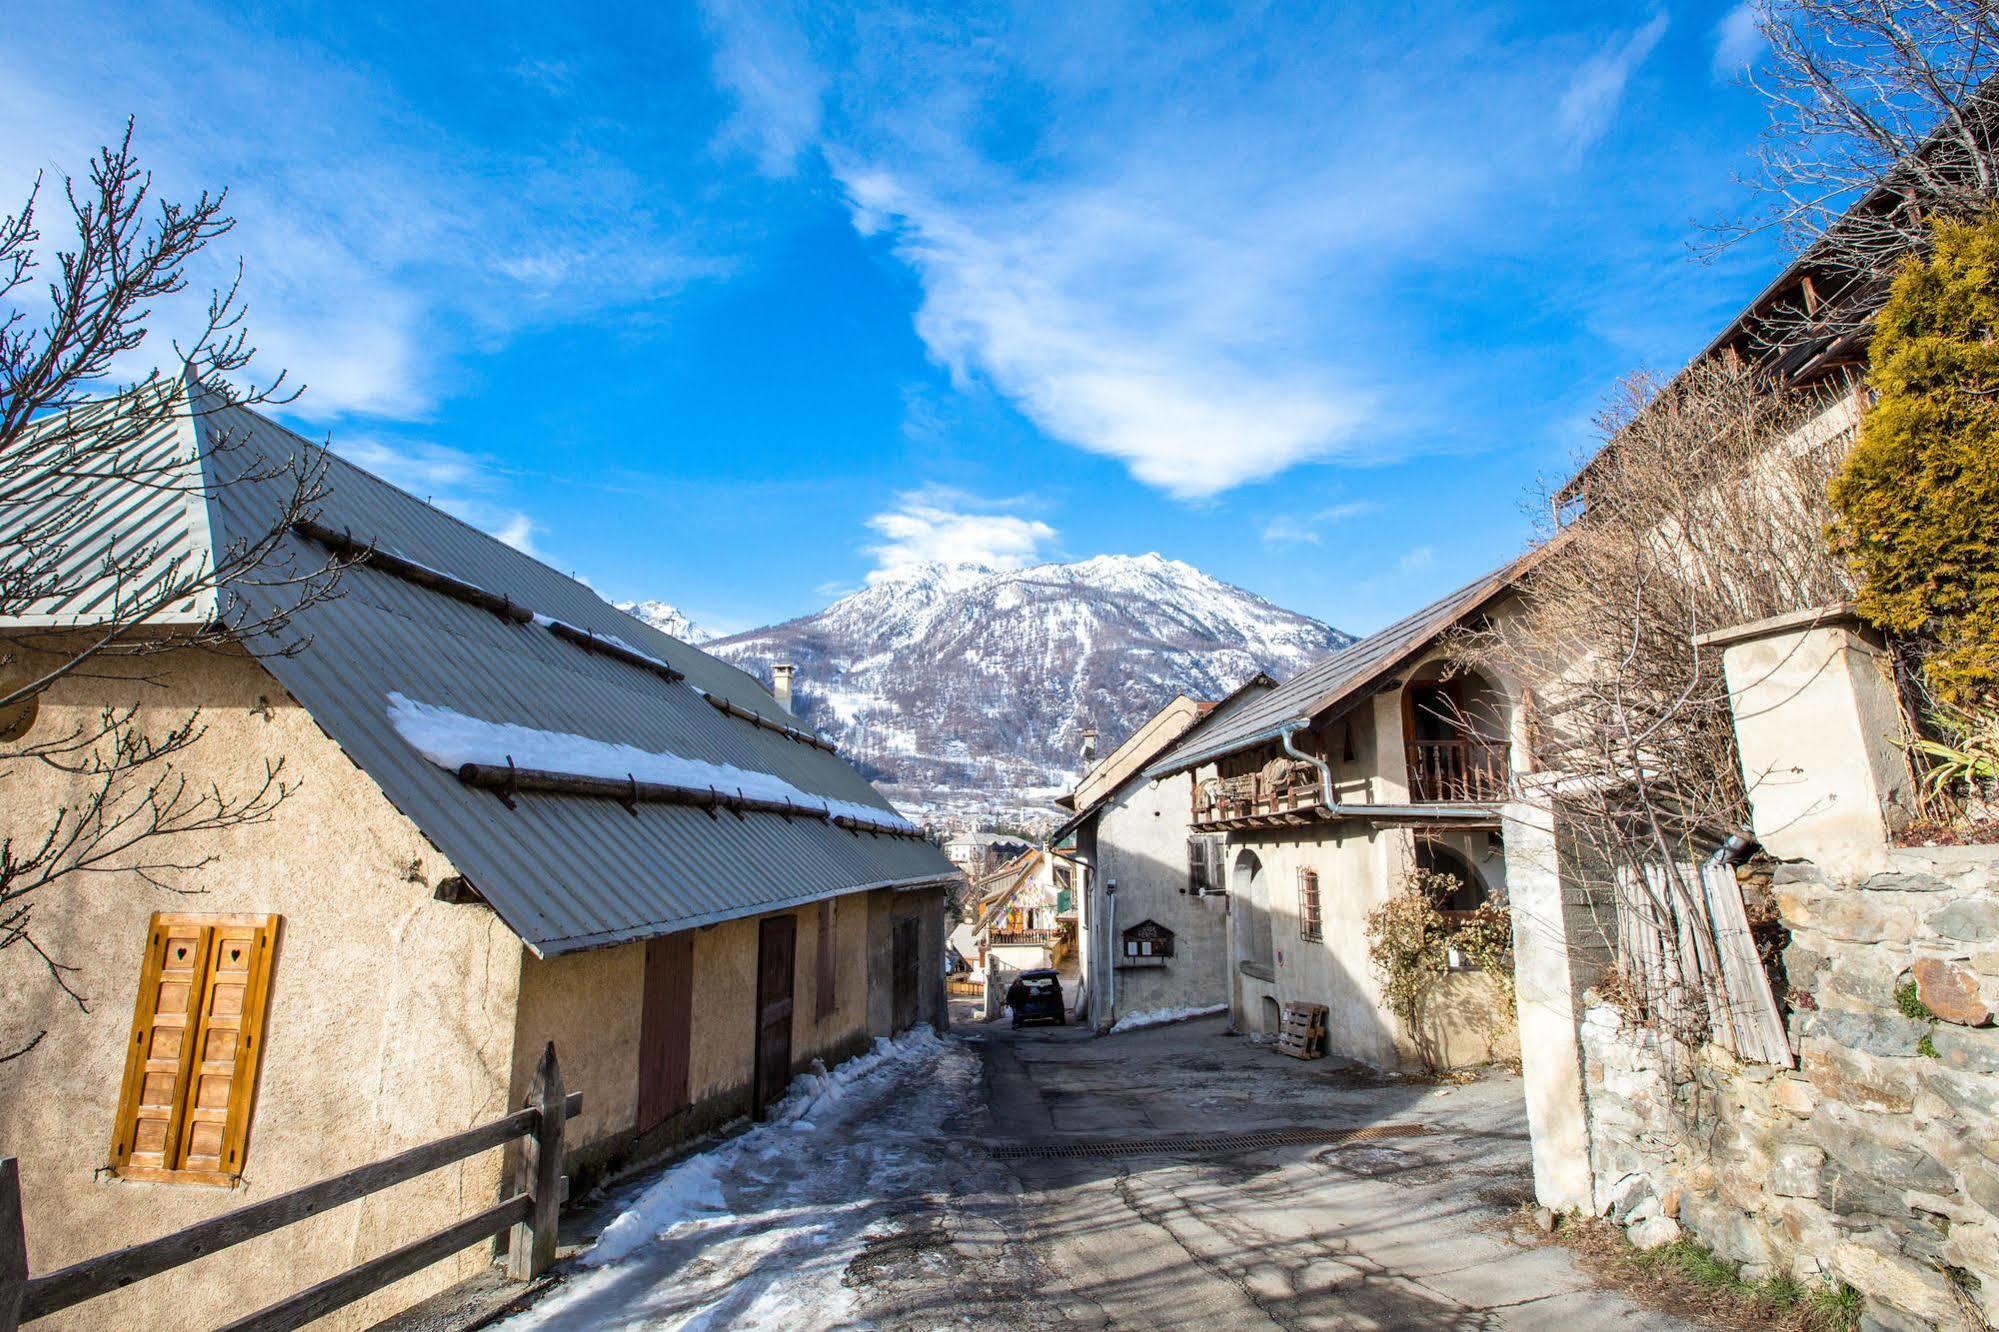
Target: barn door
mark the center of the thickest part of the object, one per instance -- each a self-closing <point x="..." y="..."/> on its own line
<point x="777" y="943"/>
<point x="666" y="1019"/>
<point x="904" y="970"/>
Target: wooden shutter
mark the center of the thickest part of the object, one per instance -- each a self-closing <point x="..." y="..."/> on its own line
<point x="827" y="998"/>
<point x="197" y="1038"/>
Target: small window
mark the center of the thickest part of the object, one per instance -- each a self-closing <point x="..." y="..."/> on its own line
<point x="1310" y="924"/>
<point x="197" y="1038"/>
<point x="1204" y="865"/>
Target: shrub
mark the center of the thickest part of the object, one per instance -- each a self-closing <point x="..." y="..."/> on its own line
<point x="1918" y="495"/>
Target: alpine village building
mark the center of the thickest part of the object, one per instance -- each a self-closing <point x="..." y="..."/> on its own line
<point x="1249" y="848"/>
<point x="515" y="816"/>
<point x="1154" y="931"/>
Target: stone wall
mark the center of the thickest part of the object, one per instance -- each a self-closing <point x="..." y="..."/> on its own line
<point x="1876" y="1161"/>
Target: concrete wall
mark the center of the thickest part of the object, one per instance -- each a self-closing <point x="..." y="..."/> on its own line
<point x="390" y="1017"/>
<point x="1141" y="846"/>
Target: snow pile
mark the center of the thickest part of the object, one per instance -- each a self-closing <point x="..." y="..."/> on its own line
<point x="1160" y="1016"/>
<point x="692" y="1190"/>
<point x="451" y="739"/>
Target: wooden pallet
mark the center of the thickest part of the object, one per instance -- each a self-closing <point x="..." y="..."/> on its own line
<point x="1303" y="1035"/>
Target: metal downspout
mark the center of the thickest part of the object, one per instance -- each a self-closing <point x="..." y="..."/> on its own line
<point x="1326" y="800"/>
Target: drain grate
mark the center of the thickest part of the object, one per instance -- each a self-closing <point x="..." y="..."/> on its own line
<point x="1206" y="1144"/>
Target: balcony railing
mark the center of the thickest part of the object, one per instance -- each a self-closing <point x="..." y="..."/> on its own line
<point x="1472" y="772"/>
<point x="1282" y="789"/>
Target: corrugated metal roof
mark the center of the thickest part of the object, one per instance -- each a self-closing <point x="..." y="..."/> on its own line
<point x="112" y="500"/>
<point x="564" y="872"/>
<point x="1326" y="684"/>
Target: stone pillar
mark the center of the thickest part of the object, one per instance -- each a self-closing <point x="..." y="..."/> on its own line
<point x="1817" y="722"/>
<point x="1547" y="988"/>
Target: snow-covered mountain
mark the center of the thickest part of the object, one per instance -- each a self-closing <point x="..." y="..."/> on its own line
<point x="961" y="681"/>
<point x="666" y="618"/>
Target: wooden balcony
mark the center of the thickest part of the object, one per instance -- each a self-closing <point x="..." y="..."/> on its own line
<point x="1281" y="792"/>
<point x="1466" y="772"/>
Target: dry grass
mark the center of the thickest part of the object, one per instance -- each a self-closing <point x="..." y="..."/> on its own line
<point x="1685" y="1279"/>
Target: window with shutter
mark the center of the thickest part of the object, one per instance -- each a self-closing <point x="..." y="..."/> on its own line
<point x="827" y="999"/>
<point x="197" y="1037"/>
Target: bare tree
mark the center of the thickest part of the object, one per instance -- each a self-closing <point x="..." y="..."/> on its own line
<point x="88" y="591"/>
<point x="1708" y="509"/>
<point x="1880" y="119"/>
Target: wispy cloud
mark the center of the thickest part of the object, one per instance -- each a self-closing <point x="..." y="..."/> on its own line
<point x="1589" y="105"/>
<point x="462" y="484"/>
<point x="762" y="60"/>
<point x="376" y="244"/>
<point x="1288" y="529"/>
<point x="1737" y="40"/>
<point x="1416" y="560"/>
<point x="937" y="525"/>
<point x="1164" y="244"/>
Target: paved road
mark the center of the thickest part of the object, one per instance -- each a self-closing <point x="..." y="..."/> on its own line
<point x="1399" y="1232"/>
<point x="902" y="1207"/>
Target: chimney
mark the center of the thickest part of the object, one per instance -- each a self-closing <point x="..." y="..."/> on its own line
<point x="780" y="683"/>
<point x="1089" y="747"/>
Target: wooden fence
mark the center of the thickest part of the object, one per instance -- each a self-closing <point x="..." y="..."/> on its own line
<point x="531" y="1213"/>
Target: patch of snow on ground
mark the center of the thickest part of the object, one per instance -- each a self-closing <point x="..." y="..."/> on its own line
<point x="691" y="1188"/>
<point x="1160" y="1016"/>
<point x="756" y="1232"/>
<point x="451" y="739"/>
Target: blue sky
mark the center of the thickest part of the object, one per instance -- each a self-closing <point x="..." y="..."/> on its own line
<point x="741" y="305"/>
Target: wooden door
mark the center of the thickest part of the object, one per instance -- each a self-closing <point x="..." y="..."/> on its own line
<point x="903" y="964"/>
<point x="777" y="944"/>
<point x="666" y="1022"/>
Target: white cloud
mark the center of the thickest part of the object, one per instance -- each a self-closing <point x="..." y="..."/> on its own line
<point x="1597" y="88"/>
<point x="1289" y="529"/>
<point x="1737" y="40"/>
<point x="762" y="60"/>
<point x="1416" y="560"/>
<point x="948" y="527"/>
<point x="1166" y="244"/>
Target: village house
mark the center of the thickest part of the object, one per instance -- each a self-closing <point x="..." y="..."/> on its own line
<point x="980" y="854"/>
<point x="1325" y="793"/>
<point x="1153" y="929"/>
<point x="514" y="816"/>
<point x="1025" y="919"/>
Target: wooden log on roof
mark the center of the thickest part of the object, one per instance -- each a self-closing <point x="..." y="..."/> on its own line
<point x="627" y="790"/>
<point x="590" y="642"/>
<point x="803" y="737"/>
<point x="508" y="781"/>
<point x="363" y="552"/>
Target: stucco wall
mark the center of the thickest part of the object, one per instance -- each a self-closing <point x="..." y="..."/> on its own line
<point x="390" y="1016"/>
<point x="1141" y="845"/>
<point x="589" y="1005"/>
<point x="1356" y="868"/>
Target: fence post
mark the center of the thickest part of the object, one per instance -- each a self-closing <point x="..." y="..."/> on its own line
<point x="13" y="1245"/>
<point x="531" y="1250"/>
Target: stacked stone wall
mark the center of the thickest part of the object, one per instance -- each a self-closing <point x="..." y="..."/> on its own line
<point x="1876" y="1161"/>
